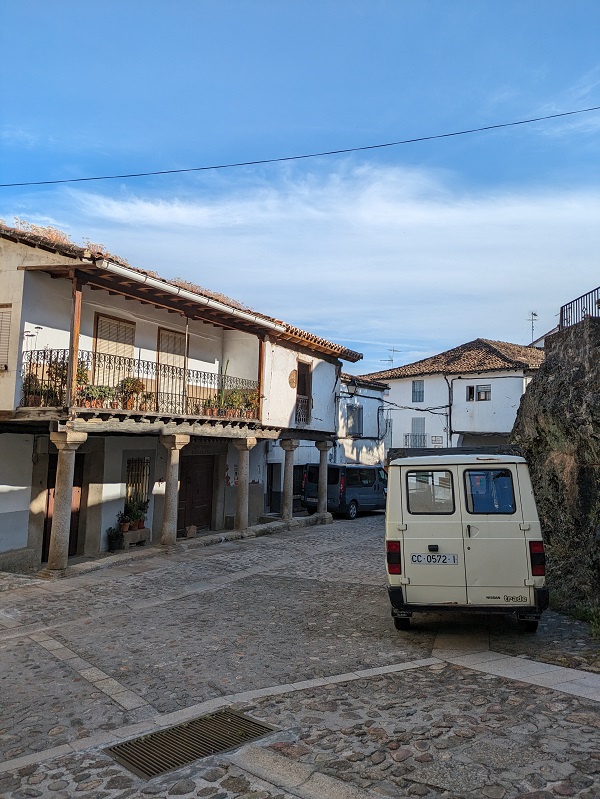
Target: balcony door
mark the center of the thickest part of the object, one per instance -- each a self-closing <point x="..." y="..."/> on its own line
<point x="171" y="356"/>
<point x="114" y="351"/>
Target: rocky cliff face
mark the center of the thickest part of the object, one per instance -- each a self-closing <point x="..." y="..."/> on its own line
<point x="558" y="426"/>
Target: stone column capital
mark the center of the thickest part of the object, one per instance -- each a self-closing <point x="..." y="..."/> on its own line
<point x="323" y="446"/>
<point x="289" y="444"/>
<point x="244" y="444"/>
<point x="68" y="440"/>
<point x="175" y="441"/>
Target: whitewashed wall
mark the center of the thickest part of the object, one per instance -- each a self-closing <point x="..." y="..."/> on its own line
<point x="494" y="416"/>
<point x="15" y="489"/>
<point x="369" y="448"/>
<point x="403" y="409"/>
<point x="279" y="403"/>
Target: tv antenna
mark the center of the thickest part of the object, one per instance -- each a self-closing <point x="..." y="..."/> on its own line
<point x="390" y="360"/>
<point x="531" y="318"/>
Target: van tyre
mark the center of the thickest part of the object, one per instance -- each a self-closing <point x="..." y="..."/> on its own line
<point x="402" y="624"/>
<point x="352" y="511"/>
<point x="527" y="625"/>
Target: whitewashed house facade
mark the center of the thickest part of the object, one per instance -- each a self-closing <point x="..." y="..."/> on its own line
<point x="116" y="383"/>
<point x="466" y="396"/>
<point x="362" y="432"/>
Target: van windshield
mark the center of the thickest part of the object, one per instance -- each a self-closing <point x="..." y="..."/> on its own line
<point x="489" y="491"/>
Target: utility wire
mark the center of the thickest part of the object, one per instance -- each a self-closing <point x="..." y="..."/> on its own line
<point x="307" y="155"/>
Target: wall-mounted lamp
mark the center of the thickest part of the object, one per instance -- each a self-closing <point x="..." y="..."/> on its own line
<point x="351" y="387"/>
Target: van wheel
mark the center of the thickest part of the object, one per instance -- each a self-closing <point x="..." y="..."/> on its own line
<point x="352" y="511"/>
<point x="402" y="624"/>
<point x="310" y="511"/>
<point x="527" y="625"/>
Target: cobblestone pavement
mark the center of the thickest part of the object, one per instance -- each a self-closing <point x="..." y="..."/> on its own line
<point x="293" y="629"/>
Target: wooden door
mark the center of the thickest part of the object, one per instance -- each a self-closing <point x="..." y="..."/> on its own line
<point x="195" y="491"/>
<point x="75" y="505"/>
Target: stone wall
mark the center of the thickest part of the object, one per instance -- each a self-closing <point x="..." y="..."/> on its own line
<point x="558" y="427"/>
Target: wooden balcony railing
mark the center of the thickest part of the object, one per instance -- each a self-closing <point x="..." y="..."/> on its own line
<point x="114" y="382"/>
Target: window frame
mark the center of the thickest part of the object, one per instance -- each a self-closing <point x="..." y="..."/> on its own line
<point x="469" y="495"/>
<point x="430" y="512"/>
<point x="355" y="409"/>
<point x="5" y="329"/>
<point x="418" y="391"/>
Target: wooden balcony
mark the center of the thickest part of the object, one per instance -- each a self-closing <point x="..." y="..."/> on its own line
<point x="112" y="383"/>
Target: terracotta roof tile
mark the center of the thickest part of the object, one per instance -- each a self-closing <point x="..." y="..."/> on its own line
<point x="480" y="355"/>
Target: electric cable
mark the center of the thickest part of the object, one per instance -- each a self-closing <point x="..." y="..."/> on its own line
<point x="302" y="157"/>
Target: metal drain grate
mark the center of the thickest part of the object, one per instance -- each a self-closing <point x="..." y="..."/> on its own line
<point x="170" y="749"/>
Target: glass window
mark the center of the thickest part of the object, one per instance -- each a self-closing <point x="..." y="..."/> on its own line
<point x="354" y="420"/>
<point x="418" y="390"/>
<point x="333" y="475"/>
<point x="470" y="393"/>
<point x="353" y="478"/>
<point x="367" y="477"/>
<point x="483" y="393"/>
<point x="489" y="491"/>
<point x="430" y="491"/>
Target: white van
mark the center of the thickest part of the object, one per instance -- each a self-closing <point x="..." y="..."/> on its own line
<point x="462" y="533"/>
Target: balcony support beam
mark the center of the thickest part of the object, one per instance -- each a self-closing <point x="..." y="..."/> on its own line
<point x="289" y="446"/>
<point x="74" y="332"/>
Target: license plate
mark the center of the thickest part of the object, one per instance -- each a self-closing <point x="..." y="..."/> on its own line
<point x="434" y="559"/>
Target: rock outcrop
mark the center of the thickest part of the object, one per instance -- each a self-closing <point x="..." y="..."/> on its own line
<point x="558" y="426"/>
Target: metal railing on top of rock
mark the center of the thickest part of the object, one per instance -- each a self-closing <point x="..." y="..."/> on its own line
<point x="579" y="309"/>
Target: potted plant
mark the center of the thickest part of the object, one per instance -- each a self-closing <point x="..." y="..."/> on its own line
<point x="129" y="388"/>
<point x="32" y="390"/>
<point x="124" y="521"/>
<point x="148" y="401"/>
<point x="114" y="538"/>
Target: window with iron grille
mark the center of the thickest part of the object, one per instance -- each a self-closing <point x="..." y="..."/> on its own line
<point x="418" y="391"/>
<point x="354" y="420"/>
<point x="4" y="334"/>
<point x="138" y="479"/>
<point x="483" y="393"/>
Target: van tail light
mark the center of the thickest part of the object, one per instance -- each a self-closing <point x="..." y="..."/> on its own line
<point x="538" y="558"/>
<point x="342" y="485"/>
<point x="392" y="551"/>
<point x="303" y="480"/>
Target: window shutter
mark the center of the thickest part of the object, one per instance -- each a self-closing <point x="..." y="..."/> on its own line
<point x="4" y="335"/>
<point x="171" y="348"/>
<point x="115" y="337"/>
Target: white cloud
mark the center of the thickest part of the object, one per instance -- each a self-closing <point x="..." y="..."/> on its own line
<point x="370" y="257"/>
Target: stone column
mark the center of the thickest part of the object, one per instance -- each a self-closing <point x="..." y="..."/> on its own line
<point x="288" y="445"/>
<point x="243" y="446"/>
<point x="67" y="444"/>
<point x="174" y="444"/>
<point x="323" y="447"/>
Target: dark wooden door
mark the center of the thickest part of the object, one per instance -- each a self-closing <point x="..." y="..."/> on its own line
<point x="195" y="491"/>
<point x="75" y="505"/>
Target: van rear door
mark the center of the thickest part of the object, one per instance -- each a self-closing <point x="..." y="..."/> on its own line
<point x="496" y="555"/>
<point x="432" y="529"/>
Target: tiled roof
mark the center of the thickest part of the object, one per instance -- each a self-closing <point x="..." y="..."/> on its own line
<point x="480" y="355"/>
<point x="363" y="380"/>
<point x="57" y="242"/>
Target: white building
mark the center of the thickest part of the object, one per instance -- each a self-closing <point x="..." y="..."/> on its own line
<point x="467" y="396"/>
<point x="362" y="434"/>
<point x="117" y="384"/>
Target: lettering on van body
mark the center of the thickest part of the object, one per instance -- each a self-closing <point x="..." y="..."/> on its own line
<point x="515" y="598"/>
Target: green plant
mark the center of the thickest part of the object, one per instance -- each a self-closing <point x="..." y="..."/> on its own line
<point x="58" y="371"/>
<point x="31" y="384"/>
<point x="97" y="392"/>
<point x="123" y="517"/>
<point x="114" y="538"/>
<point x="130" y="386"/>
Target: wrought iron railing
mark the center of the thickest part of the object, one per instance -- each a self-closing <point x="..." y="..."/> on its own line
<point x="577" y="310"/>
<point x="415" y="439"/>
<point x="111" y="381"/>
<point x="302" y="409"/>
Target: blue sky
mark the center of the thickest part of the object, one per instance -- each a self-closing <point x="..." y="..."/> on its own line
<point x="419" y="247"/>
